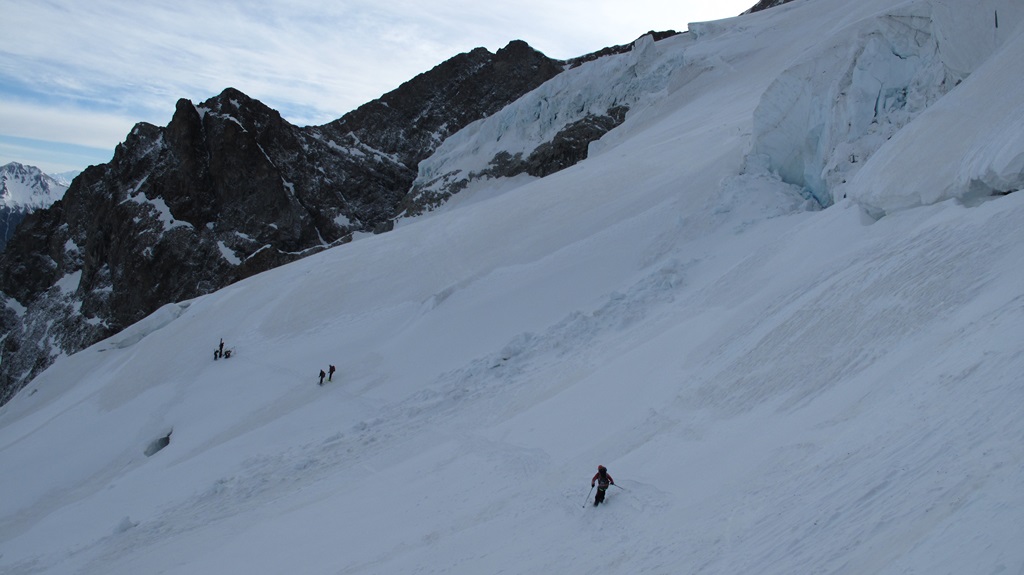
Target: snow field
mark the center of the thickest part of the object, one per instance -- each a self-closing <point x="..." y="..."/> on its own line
<point x="776" y="390"/>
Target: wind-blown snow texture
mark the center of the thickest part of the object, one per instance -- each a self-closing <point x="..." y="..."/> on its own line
<point x="776" y="389"/>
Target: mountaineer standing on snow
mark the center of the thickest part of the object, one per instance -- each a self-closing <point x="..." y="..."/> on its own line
<point x="603" y="480"/>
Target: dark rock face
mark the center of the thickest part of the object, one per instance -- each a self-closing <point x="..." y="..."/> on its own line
<point x="9" y="220"/>
<point x="427" y="109"/>
<point x="567" y="148"/>
<point x="226" y="190"/>
<point x="766" y="4"/>
<point x="621" y="48"/>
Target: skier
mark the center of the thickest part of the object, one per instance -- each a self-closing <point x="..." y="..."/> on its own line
<point x="603" y="480"/>
<point x="221" y="348"/>
<point x="330" y="373"/>
<point x="322" y="374"/>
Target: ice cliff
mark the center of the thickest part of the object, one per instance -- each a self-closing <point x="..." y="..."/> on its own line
<point x="822" y="120"/>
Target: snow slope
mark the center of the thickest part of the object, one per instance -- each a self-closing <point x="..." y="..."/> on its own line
<point x="775" y="389"/>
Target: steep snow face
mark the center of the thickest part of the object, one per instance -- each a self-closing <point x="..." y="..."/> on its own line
<point x="825" y="116"/>
<point x="595" y="89"/>
<point x="27" y="187"/>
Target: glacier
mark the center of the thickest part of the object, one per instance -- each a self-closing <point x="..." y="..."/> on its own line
<point x="781" y="378"/>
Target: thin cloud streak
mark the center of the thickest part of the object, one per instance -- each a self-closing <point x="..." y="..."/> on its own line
<point x="50" y="157"/>
<point x="90" y="128"/>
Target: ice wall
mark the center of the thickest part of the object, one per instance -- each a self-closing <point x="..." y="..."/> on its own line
<point x="968" y="146"/>
<point x="825" y="116"/>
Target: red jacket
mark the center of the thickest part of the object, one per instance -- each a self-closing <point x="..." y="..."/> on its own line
<point x="602" y="482"/>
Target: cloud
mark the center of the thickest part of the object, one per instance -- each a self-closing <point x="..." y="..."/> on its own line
<point x="83" y="127"/>
<point x="51" y="157"/>
<point x="58" y="139"/>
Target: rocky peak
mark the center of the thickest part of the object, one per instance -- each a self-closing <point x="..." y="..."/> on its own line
<point x="424" y="111"/>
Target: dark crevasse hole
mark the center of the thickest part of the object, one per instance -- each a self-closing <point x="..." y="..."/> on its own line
<point x="158" y="444"/>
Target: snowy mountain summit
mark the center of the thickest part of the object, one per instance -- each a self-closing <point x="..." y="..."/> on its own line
<point x="24" y="189"/>
<point x="778" y="296"/>
<point x="28" y="188"/>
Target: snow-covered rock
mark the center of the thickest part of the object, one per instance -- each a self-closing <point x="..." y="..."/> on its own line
<point x="515" y="140"/>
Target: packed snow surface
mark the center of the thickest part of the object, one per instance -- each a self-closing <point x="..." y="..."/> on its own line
<point x="775" y="388"/>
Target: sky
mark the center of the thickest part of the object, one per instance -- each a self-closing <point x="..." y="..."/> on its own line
<point x="76" y="76"/>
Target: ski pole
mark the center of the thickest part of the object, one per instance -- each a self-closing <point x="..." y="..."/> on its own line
<point x="616" y="485"/>
<point x="588" y="496"/>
